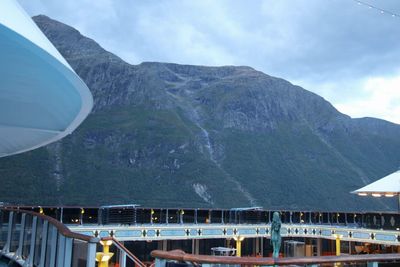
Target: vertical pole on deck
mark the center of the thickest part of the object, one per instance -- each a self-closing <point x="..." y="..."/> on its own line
<point x="337" y="238"/>
<point x="62" y="215"/>
<point x="238" y="247"/>
<point x="181" y="212"/>
<point x="319" y="247"/>
<point x="197" y="246"/>
<point x="257" y="246"/>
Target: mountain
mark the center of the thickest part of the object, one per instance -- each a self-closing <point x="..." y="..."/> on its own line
<point x="163" y="134"/>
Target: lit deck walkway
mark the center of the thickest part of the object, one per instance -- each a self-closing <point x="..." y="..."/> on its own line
<point x="208" y="231"/>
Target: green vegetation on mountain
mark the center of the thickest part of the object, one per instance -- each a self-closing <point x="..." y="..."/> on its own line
<point x="163" y="134"/>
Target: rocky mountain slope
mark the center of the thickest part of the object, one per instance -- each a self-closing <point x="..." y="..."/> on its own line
<point x="164" y="134"/>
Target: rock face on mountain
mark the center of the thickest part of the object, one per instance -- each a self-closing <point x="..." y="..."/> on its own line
<point x="164" y="134"/>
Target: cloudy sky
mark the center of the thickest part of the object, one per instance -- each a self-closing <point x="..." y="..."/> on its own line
<point x="346" y="52"/>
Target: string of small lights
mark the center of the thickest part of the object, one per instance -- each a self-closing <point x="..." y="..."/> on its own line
<point x="382" y="11"/>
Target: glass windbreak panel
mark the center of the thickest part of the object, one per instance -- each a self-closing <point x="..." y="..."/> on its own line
<point x="173" y="216"/>
<point x="285" y="217"/>
<point x="38" y="241"/>
<point x="89" y="216"/>
<point x="27" y="236"/>
<point x="216" y="216"/>
<point x="202" y="216"/>
<point x="188" y="216"/>
<point x="130" y="262"/>
<point x="157" y="216"/>
<point x="72" y="215"/>
<point x="79" y="252"/>
<point x="52" y="212"/>
<point x="15" y="231"/>
<point x="4" y="217"/>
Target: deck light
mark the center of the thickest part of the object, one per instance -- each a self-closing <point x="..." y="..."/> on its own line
<point x="103" y="257"/>
<point x="389" y="195"/>
<point x="106" y="242"/>
<point x="376" y="195"/>
<point x="363" y="194"/>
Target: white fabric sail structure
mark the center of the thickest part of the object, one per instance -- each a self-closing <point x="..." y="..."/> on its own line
<point x="388" y="186"/>
<point x="41" y="98"/>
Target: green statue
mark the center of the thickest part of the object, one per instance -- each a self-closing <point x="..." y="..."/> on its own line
<point x="276" y="238"/>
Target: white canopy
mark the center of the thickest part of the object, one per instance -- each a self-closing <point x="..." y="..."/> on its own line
<point x="41" y="98"/>
<point x="387" y="186"/>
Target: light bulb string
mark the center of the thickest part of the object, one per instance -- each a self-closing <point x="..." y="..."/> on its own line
<point x="383" y="11"/>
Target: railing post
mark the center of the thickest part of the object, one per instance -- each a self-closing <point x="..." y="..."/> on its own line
<point x="68" y="252"/>
<point x="44" y="244"/>
<point x="33" y="241"/>
<point x="181" y="212"/>
<point x="60" y="250"/>
<point x="6" y="248"/>
<point x="62" y="215"/>
<point x="222" y="217"/>
<point x="18" y="253"/>
<point x="91" y="255"/>
<point x="195" y="216"/>
<point x="53" y="246"/>
<point x="122" y="258"/>
<point x="166" y="217"/>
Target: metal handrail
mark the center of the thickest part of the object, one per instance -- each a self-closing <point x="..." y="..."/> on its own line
<point x="122" y="248"/>
<point x="38" y="233"/>
<point x="179" y="255"/>
<point x="64" y="230"/>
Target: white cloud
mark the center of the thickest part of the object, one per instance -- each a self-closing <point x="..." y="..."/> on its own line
<point x="382" y="100"/>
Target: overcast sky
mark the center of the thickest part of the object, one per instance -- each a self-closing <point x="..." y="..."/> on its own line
<point x="346" y="52"/>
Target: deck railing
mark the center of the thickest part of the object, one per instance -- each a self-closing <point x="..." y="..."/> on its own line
<point x="124" y="253"/>
<point x="34" y="239"/>
<point x="180" y="258"/>
<point x="141" y="215"/>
